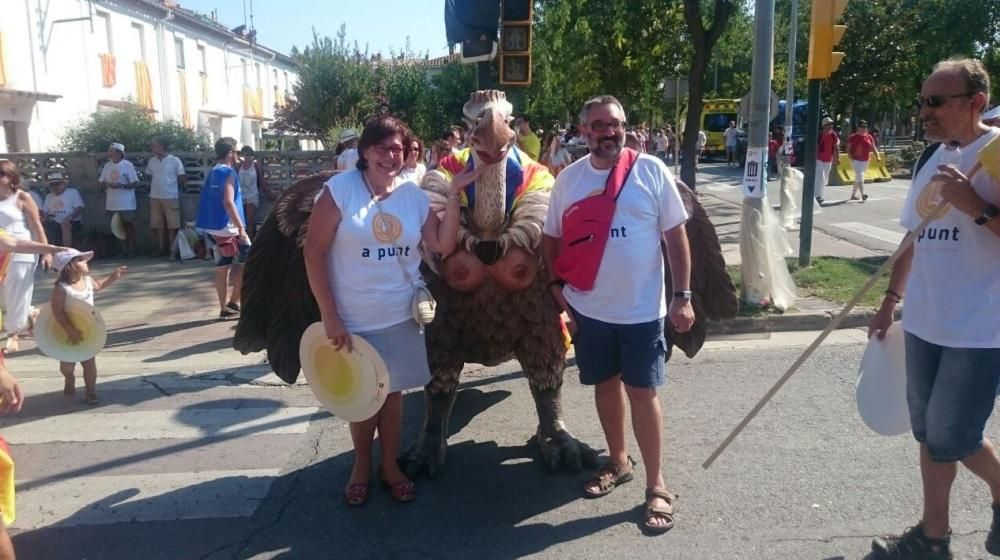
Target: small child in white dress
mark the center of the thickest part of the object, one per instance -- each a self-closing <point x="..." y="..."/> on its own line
<point x="75" y="282"/>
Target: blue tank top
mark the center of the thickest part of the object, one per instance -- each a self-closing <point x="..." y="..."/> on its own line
<point x="211" y="210"/>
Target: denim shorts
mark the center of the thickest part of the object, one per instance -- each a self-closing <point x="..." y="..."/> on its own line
<point x="638" y="352"/>
<point x="950" y="393"/>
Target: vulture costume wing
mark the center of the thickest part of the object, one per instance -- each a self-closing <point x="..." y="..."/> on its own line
<point x="714" y="295"/>
<point x="277" y="303"/>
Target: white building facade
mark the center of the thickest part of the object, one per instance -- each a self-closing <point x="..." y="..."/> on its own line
<point x="61" y="60"/>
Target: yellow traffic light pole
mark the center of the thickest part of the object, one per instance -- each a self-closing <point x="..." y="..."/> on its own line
<point x="824" y="34"/>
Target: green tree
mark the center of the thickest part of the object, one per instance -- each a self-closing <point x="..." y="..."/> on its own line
<point x="704" y="34"/>
<point x="334" y="89"/>
<point x="132" y="126"/>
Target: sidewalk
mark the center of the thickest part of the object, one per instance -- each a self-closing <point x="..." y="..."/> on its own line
<point x="808" y="313"/>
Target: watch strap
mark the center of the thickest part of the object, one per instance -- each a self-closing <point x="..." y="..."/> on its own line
<point x="988" y="214"/>
<point x="683" y="294"/>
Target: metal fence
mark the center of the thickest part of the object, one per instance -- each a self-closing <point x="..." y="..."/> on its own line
<point x="281" y="169"/>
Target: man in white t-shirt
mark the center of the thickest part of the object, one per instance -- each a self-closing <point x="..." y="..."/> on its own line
<point x="731" y="134"/>
<point x="62" y="212"/>
<point x="617" y="326"/>
<point x="166" y="172"/>
<point x="951" y="277"/>
<point x="119" y="179"/>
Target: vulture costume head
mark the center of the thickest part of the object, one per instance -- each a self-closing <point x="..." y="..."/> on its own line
<point x="494" y="304"/>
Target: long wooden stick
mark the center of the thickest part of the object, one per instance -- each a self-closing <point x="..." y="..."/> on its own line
<point x="903" y="246"/>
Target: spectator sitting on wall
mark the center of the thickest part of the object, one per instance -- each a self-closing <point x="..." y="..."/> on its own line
<point x="120" y="180"/>
<point x="167" y="173"/>
<point x="62" y="212"/>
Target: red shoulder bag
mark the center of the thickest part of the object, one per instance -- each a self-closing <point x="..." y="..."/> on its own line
<point x="586" y="226"/>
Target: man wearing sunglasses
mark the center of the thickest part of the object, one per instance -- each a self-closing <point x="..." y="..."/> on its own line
<point x="951" y="276"/>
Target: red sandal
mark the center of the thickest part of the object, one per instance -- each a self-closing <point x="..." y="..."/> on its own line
<point x="402" y="491"/>
<point x="356" y="494"/>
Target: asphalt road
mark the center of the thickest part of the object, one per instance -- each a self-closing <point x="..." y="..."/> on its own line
<point x="197" y="453"/>
<point x="873" y="225"/>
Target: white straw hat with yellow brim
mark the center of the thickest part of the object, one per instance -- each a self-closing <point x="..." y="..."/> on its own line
<point x="881" y="387"/>
<point x="118" y="226"/>
<point x="53" y="341"/>
<point x="351" y="385"/>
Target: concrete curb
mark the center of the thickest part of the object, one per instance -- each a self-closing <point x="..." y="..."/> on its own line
<point x="808" y="321"/>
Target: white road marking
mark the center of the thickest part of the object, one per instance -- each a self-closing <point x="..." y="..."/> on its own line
<point x="159" y="424"/>
<point x="884" y="235"/>
<point x="99" y="500"/>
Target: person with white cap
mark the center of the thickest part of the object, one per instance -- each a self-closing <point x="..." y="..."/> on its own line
<point x="75" y="282"/>
<point x="119" y="179"/>
<point x="62" y="211"/>
<point x="827" y="148"/>
<point x="348" y="156"/>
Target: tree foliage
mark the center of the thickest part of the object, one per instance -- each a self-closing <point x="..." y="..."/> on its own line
<point x="132" y="126"/>
<point x="891" y="46"/>
<point x="340" y="86"/>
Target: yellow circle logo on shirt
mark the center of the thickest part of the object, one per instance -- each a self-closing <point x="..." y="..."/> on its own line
<point x="928" y="201"/>
<point x="386" y="227"/>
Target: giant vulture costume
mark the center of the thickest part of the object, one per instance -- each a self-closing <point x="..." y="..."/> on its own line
<point x="493" y="300"/>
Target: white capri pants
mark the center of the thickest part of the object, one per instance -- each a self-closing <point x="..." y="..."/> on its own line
<point x="18" y="289"/>
<point x="859" y="170"/>
<point x="822" y="177"/>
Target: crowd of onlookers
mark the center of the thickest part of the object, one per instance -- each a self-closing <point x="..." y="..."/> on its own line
<point x="556" y="148"/>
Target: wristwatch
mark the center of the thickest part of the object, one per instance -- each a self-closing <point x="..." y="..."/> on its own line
<point x="988" y="214"/>
<point x="683" y="294"/>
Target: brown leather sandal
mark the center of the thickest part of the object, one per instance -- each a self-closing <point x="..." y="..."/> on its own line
<point x="609" y="477"/>
<point x="664" y="513"/>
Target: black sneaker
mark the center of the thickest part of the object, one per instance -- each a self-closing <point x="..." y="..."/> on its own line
<point x="228" y="314"/>
<point x="864" y="197"/>
<point x="912" y="545"/>
<point x="819" y="200"/>
<point x="993" y="539"/>
<point x="233" y="307"/>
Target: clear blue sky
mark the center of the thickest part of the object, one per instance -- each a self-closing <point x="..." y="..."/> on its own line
<point x="381" y="24"/>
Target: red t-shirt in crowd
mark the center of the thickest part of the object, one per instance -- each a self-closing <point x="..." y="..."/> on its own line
<point x="827" y="146"/>
<point x="860" y="146"/>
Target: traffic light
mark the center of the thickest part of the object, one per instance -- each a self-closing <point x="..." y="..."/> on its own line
<point x="473" y="23"/>
<point x="824" y="33"/>
<point x="515" y="43"/>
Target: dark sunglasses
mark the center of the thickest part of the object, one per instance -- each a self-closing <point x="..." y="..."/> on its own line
<point x="934" y="101"/>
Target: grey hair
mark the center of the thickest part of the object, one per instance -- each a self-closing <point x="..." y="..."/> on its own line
<point x="977" y="79"/>
<point x="599" y="100"/>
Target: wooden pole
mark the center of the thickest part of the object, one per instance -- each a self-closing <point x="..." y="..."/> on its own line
<point x="903" y="246"/>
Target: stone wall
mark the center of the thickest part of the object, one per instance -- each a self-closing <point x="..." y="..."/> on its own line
<point x="281" y="169"/>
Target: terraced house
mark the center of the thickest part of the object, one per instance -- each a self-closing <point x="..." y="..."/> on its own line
<point x="61" y="60"/>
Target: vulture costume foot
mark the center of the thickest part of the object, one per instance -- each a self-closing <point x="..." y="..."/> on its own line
<point x="428" y="454"/>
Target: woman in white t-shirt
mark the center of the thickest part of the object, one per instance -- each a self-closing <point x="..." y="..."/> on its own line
<point x="412" y="169"/>
<point x="251" y="185"/>
<point x="555" y="157"/>
<point x="362" y="257"/>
